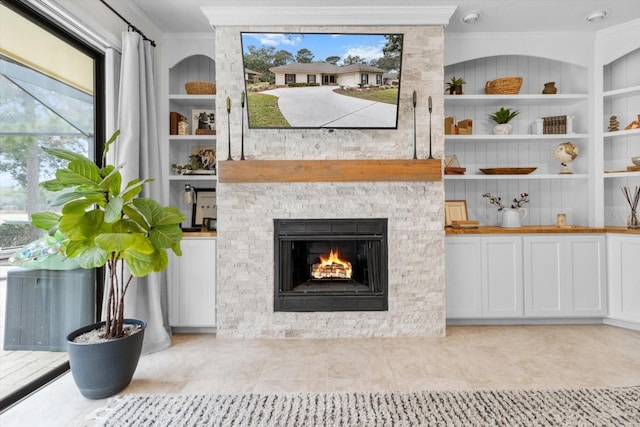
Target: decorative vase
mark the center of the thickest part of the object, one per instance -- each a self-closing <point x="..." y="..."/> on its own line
<point x="103" y="369"/>
<point x="550" y="88"/>
<point x="633" y="221"/>
<point x="503" y="129"/>
<point x="455" y="90"/>
<point x="512" y="218"/>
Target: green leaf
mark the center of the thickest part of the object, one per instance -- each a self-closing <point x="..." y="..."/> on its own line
<point x="170" y="215"/>
<point x="165" y="236"/>
<point x="92" y="257"/>
<point x="80" y="172"/>
<point x="52" y="185"/>
<point x="150" y="209"/>
<point x="136" y="217"/>
<point x="134" y="188"/>
<point x="63" y="154"/>
<point x="76" y="206"/>
<point x="45" y="220"/>
<point x="141" y="264"/>
<point x="94" y="196"/>
<point x="82" y="226"/>
<point x="113" y="210"/>
<point x="109" y="142"/>
<point x="119" y="242"/>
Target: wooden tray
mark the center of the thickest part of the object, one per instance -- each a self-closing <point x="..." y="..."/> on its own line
<point x="508" y="171"/>
<point x="450" y="170"/>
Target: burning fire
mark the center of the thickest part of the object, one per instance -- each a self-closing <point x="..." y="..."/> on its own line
<point x="331" y="267"/>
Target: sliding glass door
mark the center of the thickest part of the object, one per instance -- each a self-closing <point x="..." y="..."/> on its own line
<point x="50" y="96"/>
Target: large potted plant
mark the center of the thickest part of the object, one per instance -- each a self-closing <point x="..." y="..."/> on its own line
<point x="108" y="224"/>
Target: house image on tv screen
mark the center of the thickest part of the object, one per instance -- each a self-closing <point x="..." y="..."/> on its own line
<point x="323" y="73"/>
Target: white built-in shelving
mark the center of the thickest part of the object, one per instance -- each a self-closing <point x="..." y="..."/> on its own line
<point x="549" y="191"/>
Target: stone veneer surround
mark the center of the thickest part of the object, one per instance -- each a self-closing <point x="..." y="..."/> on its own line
<point x="414" y="210"/>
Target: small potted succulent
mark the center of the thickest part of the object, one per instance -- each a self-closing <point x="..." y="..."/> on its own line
<point x="105" y="223"/>
<point x="502" y="117"/>
<point x="454" y="86"/>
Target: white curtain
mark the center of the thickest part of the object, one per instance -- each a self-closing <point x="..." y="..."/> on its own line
<point x="138" y="146"/>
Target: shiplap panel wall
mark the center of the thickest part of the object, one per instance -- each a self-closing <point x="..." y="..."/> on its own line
<point x="620" y="74"/>
<point x="191" y="69"/>
<point x="548" y="197"/>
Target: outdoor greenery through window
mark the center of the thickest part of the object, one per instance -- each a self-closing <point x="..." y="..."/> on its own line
<point x="40" y="105"/>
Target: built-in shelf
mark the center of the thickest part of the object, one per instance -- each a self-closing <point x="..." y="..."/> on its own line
<point x="206" y="138"/>
<point x="621" y="174"/>
<point x="621" y="133"/>
<point x="528" y="176"/>
<point x="515" y="100"/>
<point x="193" y="177"/>
<point x="621" y="93"/>
<point x="252" y="171"/>
<point x="514" y="137"/>
<point x="205" y="101"/>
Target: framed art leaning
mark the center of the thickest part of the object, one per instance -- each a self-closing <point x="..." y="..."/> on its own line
<point x="204" y="206"/>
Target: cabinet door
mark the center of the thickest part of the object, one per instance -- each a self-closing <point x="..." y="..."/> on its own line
<point x="502" y="276"/>
<point x="623" y="253"/>
<point x="463" y="277"/>
<point x="585" y="276"/>
<point x="543" y="278"/>
<point x="193" y="284"/>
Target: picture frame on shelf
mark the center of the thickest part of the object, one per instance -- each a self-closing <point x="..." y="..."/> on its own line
<point x="204" y="206"/>
<point x="195" y="119"/>
<point x="455" y="210"/>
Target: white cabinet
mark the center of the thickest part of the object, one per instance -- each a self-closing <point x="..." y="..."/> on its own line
<point x="528" y="276"/>
<point x="564" y="275"/>
<point x="484" y="277"/>
<point x="624" y="277"/>
<point x="502" y="276"/>
<point x="550" y="192"/>
<point x="463" y="277"/>
<point x="192" y="286"/>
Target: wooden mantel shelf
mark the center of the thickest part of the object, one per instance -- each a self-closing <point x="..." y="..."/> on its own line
<point x="248" y="171"/>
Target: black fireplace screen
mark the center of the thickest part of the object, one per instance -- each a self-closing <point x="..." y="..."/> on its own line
<point x="330" y="265"/>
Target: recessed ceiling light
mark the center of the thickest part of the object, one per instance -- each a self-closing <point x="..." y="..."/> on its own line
<point x="597" y="16"/>
<point x="471" y="17"/>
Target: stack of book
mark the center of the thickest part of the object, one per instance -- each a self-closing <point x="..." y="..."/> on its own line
<point x="554" y="125"/>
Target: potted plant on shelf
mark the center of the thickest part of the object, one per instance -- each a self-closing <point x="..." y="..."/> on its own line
<point x="454" y="86"/>
<point x="502" y="117"/>
<point x="107" y="224"/>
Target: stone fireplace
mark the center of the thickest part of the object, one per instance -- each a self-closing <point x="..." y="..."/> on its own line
<point x="413" y="210"/>
<point x="330" y="265"/>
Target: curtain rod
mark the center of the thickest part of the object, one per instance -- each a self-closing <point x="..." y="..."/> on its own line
<point x="131" y="26"/>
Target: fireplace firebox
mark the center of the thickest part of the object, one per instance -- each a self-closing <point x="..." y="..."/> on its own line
<point x="330" y="265"/>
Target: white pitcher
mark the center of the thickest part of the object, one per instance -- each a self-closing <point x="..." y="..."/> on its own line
<point x="512" y="218"/>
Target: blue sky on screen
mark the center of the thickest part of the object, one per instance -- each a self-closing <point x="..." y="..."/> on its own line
<point x="367" y="46"/>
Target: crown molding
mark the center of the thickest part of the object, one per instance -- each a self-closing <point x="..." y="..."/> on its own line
<point x="260" y="16"/>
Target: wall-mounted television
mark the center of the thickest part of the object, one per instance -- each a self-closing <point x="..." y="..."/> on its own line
<point x="322" y="80"/>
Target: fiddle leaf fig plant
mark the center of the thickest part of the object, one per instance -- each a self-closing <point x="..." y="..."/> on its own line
<point x="105" y="223"/>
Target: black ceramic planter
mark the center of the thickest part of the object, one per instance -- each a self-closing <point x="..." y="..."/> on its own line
<point x="101" y="370"/>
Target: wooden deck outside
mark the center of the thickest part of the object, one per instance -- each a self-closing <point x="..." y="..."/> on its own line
<point x="17" y="367"/>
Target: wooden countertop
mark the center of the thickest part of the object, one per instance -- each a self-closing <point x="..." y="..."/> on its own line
<point x="539" y="229"/>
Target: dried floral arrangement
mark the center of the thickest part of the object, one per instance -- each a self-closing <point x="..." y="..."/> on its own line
<point x="497" y="201"/>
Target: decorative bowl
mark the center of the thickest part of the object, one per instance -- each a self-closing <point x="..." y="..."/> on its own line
<point x="636" y="160"/>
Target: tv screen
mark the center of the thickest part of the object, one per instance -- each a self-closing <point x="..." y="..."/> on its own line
<point x="315" y="80"/>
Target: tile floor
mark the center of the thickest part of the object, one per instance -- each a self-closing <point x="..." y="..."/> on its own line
<point x="469" y="357"/>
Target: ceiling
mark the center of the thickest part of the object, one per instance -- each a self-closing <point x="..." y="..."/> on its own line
<point x="181" y="16"/>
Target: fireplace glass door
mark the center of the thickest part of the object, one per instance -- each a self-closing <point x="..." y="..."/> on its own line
<point x="331" y="265"/>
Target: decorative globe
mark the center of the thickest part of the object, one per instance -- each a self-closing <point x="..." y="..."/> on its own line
<point x="565" y="153"/>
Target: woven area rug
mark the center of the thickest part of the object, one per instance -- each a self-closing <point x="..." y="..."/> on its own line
<point x="574" y="407"/>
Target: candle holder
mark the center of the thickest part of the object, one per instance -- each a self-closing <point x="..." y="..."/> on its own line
<point x="229" y="127"/>
<point x="430" y="111"/>
<point x="242" y="127"/>
<point x="415" y="99"/>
